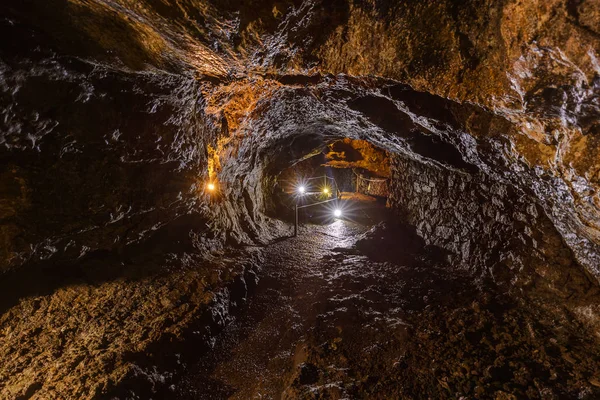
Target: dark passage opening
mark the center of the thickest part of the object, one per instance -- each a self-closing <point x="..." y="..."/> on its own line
<point x="344" y="172"/>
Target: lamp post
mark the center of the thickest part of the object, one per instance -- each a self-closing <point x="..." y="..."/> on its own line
<point x="296" y="220"/>
<point x="301" y="191"/>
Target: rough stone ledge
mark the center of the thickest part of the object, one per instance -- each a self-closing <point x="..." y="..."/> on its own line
<point x="117" y="339"/>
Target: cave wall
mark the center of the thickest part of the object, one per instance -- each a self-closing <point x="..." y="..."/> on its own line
<point x="539" y="78"/>
<point x="115" y="113"/>
<point x="101" y="183"/>
<point x="95" y="159"/>
<point x="497" y="232"/>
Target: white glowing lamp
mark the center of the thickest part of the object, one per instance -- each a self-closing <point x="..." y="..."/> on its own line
<point x="301" y="189"/>
<point x="337" y="213"/>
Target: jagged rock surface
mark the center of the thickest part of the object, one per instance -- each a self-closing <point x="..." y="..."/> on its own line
<point x="115" y="114"/>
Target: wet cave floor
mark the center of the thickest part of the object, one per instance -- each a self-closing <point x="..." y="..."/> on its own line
<point x="347" y="310"/>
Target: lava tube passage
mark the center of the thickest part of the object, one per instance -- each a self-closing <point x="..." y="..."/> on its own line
<point x="299" y="199"/>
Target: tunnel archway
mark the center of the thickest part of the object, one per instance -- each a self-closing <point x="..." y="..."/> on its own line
<point x="120" y="264"/>
<point x="476" y="221"/>
<point x="434" y="159"/>
<point x="440" y="148"/>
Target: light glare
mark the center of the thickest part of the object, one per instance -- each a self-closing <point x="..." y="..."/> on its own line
<point x="210" y="186"/>
<point x="326" y="190"/>
<point x="302" y="189"/>
<point x="337" y="213"/>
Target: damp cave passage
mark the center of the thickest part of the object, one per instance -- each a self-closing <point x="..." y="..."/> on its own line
<point x="371" y="303"/>
<point x="338" y="182"/>
<point x="442" y="157"/>
<point x="325" y="298"/>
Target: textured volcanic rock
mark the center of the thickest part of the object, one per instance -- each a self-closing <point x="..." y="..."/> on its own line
<point x="104" y="335"/>
<point x="75" y="141"/>
<point x="523" y="253"/>
<point x="535" y="84"/>
<point x="350" y="153"/>
<point x="115" y="113"/>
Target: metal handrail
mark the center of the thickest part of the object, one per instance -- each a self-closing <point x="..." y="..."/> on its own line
<point x="319" y="177"/>
<point x="369" y="179"/>
<point x="337" y="188"/>
<point x="296" y="207"/>
<point x="316" y="204"/>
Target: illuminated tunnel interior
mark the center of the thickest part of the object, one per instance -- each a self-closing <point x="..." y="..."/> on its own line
<point x="440" y="159"/>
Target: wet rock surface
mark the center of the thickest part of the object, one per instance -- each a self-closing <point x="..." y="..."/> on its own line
<point x="115" y="114"/>
<point x="117" y="327"/>
<point x="522" y="250"/>
<point x="344" y="315"/>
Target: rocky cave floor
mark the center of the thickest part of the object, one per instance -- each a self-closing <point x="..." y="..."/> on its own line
<point x="352" y="308"/>
<point x="344" y="311"/>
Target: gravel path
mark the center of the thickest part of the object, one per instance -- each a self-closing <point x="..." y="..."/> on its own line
<point x="341" y="315"/>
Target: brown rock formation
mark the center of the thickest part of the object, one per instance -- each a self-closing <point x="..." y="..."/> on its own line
<point x="115" y="114"/>
<point x="348" y="153"/>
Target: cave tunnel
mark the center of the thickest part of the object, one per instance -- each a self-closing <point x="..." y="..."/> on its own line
<point x="442" y="158"/>
<point x="340" y="182"/>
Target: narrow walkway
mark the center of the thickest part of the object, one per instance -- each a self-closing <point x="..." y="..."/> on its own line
<point x="314" y="288"/>
<point x="345" y="312"/>
<point x="298" y="282"/>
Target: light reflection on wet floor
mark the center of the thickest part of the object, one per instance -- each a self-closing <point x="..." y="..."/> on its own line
<point x="314" y="285"/>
